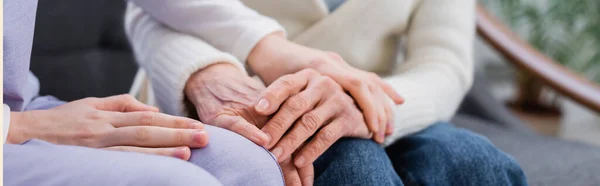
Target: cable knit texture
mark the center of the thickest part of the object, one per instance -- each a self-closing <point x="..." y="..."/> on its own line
<point x="433" y="75"/>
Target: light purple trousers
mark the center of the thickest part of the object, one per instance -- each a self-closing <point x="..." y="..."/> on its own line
<point x="229" y="159"/>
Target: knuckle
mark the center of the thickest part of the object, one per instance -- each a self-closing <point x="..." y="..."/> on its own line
<point x="292" y="138"/>
<point x="142" y="134"/>
<point x="95" y="115"/>
<point x="146" y="118"/>
<point x="326" y="81"/>
<point x="180" y="123"/>
<point x="296" y="104"/>
<point x="317" y="62"/>
<point x="310" y="122"/>
<point x="287" y="82"/>
<point x="180" y="136"/>
<point x="356" y="82"/>
<point x="278" y="123"/>
<point x="335" y="56"/>
<point x="328" y="136"/>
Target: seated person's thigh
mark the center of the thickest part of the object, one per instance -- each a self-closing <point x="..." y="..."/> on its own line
<point x="235" y="160"/>
<point x="40" y="163"/>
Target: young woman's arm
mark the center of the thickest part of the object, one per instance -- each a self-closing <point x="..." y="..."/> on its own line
<point x="439" y="66"/>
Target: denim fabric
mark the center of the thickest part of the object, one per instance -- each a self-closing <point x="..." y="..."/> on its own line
<point x="445" y="155"/>
<point x="439" y="155"/>
<point x="230" y="159"/>
<point x="352" y="161"/>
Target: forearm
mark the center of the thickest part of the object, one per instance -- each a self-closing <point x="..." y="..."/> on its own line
<point x="431" y="95"/>
<point x="170" y="57"/>
<point x="275" y="56"/>
<point x="228" y="25"/>
<point x="438" y="71"/>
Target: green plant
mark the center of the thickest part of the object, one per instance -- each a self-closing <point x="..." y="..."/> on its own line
<point x="566" y="30"/>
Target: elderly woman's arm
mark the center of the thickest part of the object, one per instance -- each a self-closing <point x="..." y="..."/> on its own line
<point x="228" y="25"/>
<point x="170" y="57"/>
<point x="439" y="66"/>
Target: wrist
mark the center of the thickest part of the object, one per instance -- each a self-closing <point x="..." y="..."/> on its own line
<point x="211" y="72"/>
<point x="275" y="56"/>
<point x="15" y="131"/>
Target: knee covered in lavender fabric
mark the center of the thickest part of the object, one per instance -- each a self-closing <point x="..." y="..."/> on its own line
<point x="235" y="160"/>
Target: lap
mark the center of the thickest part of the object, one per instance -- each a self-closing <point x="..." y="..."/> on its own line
<point x="353" y="161"/>
<point x="229" y="159"/>
<point x="40" y="163"/>
<point x="445" y="155"/>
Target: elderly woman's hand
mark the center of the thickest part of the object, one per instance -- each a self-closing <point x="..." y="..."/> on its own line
<point x="274" y="56"/>
<point x="114" y="123"/>
<point x="311" y="113"/>
<point x="224" y="96"/>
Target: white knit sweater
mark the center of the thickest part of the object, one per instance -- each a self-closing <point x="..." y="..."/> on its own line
<point x="174" y="38"/>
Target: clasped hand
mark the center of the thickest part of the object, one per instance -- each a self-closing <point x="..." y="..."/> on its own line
<point x="298" y="117"/>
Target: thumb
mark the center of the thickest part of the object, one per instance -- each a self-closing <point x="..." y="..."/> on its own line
<point x="122" y="103"/>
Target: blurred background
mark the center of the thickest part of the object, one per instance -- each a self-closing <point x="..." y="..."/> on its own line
<point x="569" y="33"/>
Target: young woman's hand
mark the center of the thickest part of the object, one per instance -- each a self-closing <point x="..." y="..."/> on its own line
<point x="311" y="113"/>
<point x="115" y="123"/>
<point x="224" y="96"/>
<point x="274" y="56"/>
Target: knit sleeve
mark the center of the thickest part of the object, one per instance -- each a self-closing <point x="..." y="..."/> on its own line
<point x="439" y="67"/>
<point x="211" y="20"/>
<point x="169" y="57"/>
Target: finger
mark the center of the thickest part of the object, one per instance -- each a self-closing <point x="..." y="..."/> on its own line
<point x="383" y="114"/>
<point x="307" y="175"/>
<point x="152" y="136"/>
<point x="183" y="152"/>
<point x="291" y="110"/>
<point x="320" y="143"/>
<point x="239" y="125"/>
<point x="389" y="90"/>
<point x="389" y="110"/>
<point x="304" y="128"/>
<point x="146" y="118"/>
<point x="122" y="103"/>
<point x="290" y="174"/>
<point x="279" y="91"/>
<point x="359" y="90"/>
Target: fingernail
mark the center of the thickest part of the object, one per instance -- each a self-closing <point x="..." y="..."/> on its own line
<point x="277" y="152"/>
<point x="199" y="137"/>
<point x="179" y="152"/>
<point x="262" y="105"/>
<point x="381" y="135"/>
<point x="196" y="125"/>
<point x="299" y="161"/>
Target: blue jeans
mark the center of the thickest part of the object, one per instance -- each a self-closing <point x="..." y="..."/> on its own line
<point x="439" y="155"/>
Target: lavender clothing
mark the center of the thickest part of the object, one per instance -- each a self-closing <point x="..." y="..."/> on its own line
<point x="229" y="159"/>
<point x="21" y="87"/>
